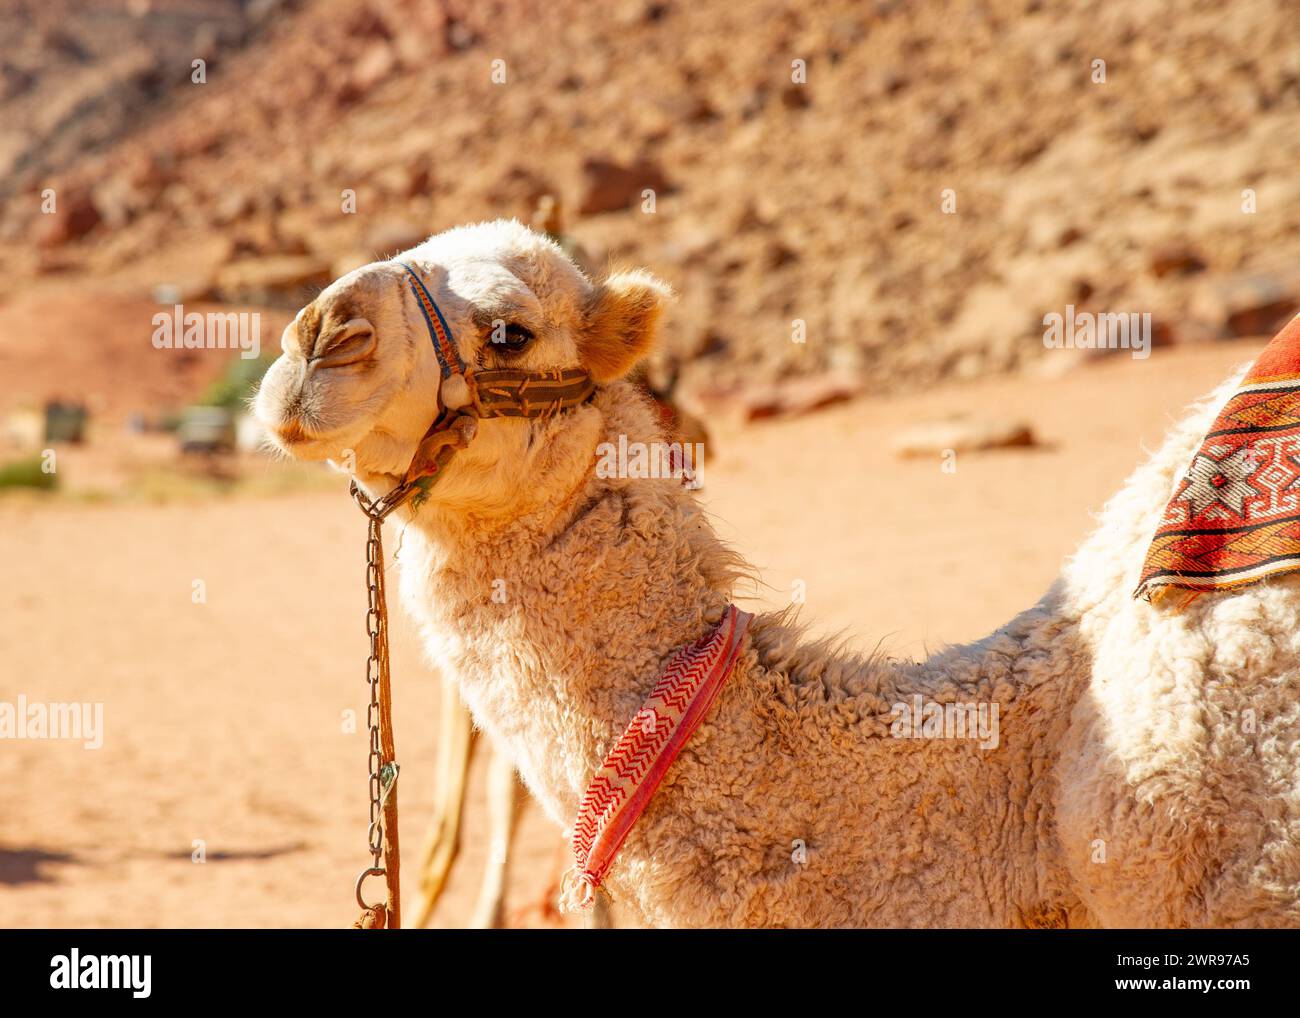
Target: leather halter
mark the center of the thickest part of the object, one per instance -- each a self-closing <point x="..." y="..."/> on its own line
<point x="466" y="395"/>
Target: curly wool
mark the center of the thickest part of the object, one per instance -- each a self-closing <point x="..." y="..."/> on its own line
<point x="1145" y="772"/>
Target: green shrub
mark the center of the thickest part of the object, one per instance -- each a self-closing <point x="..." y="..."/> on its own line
<point x="239" y="381"/>
<point x="26" y="473"/>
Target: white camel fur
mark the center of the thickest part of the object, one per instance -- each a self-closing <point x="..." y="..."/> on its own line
<point x="1147" y="767"/>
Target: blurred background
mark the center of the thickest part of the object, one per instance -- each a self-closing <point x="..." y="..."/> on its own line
<point x="867" y="209"/>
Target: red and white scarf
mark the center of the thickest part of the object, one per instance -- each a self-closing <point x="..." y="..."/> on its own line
<point x="622" y="788"/>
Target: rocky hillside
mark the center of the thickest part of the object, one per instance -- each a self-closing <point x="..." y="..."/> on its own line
<point x="916" y="183"/>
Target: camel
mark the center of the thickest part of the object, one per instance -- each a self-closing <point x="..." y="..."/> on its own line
<point x="1142" y="767"/>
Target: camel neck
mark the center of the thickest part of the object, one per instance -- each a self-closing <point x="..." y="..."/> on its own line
<point x="555" y="626"/>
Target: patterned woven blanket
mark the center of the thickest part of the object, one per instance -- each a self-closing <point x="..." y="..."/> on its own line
<point x="1235" y="517"/>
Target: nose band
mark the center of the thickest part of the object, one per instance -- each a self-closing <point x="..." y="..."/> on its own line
<point x="439" y="331"/>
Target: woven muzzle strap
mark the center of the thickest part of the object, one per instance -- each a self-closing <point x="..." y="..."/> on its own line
<point x="505" y="392"/>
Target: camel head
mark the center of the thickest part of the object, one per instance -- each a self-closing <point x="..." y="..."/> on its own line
<point x="358" y="381"/>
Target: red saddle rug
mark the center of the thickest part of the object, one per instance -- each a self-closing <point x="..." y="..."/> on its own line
<point x="1235" y="517"/>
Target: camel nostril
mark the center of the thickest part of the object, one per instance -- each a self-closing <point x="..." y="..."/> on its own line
<point x="353" y="341"/>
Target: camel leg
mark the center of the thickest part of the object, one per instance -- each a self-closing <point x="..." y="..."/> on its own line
<point x="454" y="747"/>
<point x="501" y="791"/>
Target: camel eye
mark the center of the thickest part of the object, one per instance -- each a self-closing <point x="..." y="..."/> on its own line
<point x="510" y="336"/>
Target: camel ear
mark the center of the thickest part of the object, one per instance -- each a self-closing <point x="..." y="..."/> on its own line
<point x="621" y="322"/>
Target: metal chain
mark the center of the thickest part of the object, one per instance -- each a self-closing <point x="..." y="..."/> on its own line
<point x="374" y="666"/>
<point x="382" y="773"/>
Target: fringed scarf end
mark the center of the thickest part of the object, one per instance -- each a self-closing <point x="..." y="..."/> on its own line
<point x="577" y="891"/>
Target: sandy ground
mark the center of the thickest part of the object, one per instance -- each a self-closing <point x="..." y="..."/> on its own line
<point x="224" y="720"/>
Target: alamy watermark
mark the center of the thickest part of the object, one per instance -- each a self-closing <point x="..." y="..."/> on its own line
<point x="681" y="461"/>
<point x="925" y="719"/>
<point x="1086" y="330"/>
<point x="83" y="722"/>
<point x="216" y="330"/>
<point x="77" y="971"/>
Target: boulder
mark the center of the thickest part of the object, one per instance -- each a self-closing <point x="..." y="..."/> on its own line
<point x="608" y="186"/>
<point x="75" y="215"/>
<point x="1176" y="259"/>
<point x="934" y="438"/>
<point x="800" y="395"/>
<point x="1247" y="303"/>
<point x="377" y="62"/>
